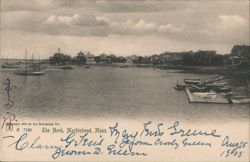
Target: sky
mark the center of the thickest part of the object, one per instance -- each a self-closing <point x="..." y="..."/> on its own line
<point x="121" y="27"/>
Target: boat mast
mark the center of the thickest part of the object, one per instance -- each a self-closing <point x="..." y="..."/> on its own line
<point x="39" y="64"/>
<point x="32" y="61"/>
<point x="26" y="63"/>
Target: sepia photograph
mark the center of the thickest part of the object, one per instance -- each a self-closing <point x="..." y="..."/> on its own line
<point x="124" y="80"/>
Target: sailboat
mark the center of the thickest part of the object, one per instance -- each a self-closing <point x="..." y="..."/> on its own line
<point x="32" y="71"/>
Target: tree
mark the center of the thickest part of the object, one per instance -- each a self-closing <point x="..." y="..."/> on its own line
<point x="80" y="58"/>
<point x="60" y="59"/>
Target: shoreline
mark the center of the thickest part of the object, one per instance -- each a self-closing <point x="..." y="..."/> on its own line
<point x="222" y="70"/>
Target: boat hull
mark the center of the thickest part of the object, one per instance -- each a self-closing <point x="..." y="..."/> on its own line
<point x="9" y="66"/>
<point x="29" y="73"/>
<point x="241" y="101"/>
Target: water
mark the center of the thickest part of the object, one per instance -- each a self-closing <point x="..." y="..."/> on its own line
<point x="106" y="92"/>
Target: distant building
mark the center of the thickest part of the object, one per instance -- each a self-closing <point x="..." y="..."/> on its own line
<point x="241" y="51"/>
<point x="155" y="59"/>
<point x="131" y="59"/>
<point x="90" y="58"/>
<point x="104" y="58"/>
<point x="206" y="52"/>
<point x="172" y="58"/>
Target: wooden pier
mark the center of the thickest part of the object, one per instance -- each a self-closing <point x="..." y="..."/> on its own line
<point x="218" y="98"/>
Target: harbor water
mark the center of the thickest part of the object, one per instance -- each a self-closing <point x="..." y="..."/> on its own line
<point x="106" y="92"/>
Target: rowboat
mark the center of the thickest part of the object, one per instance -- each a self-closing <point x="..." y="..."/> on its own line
<point x="87" y="67"/>
<point x="201" y="88"/>
<point x="181" y="86"/>
<point x="29" y="73"/>
<point x="205" y="94"/>
<point x="124" y="66"/>
<point x="222" y="89"/>
<point x="240" y="100"/>
<point x="11" y="66"/>
<point x="67" y="67"/>
<point x="193" y="81"/>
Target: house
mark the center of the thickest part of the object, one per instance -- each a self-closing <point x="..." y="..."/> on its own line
<point x="242" y="51"/>
<point x="104" y="58"/>
<point x="90" y="58"/>
<point x="131" y="59"/>
<point x="155" y="59"/>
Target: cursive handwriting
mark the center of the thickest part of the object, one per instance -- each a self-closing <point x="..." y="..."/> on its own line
<point x="82" y="141"/>
<point x="147" y="132"/>
<point x="8" y="89"/>
<point x="127" y="142"/>
<point x="8" y="121"/>
<point x="112" y="150"/>
<point x="10" y="118"/>
<point x="234" y="149"/>
<point x="175" y="130"/>
<point x="173" y="143"/>
<point x="23" y="143"/>
<point x="130" y="143"/>
<point x="60" y="152"/>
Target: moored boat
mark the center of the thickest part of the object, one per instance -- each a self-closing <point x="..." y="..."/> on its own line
<point x="87" y="67"/>
<point x="12" y="66"/>
<point x="193" y="81"/>
<point x="67" y="67"/>
<point x="180" y="87"/>
<point x="29" y="73"/>
<point x="205" y="94"/>
<point x="222" y="89"/>
<point x="33" y="70"/>
<point x="240" y="100"/>
<point x="199" y="88"/>
<point x="124" y="66"/>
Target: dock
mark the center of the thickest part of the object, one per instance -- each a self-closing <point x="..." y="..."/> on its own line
<point x="218" y="98"/>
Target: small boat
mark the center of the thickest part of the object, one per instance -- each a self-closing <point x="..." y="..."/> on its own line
<point x="67" y="67"/>
<point x="195" y="87"/>
<point x="222" y="89"/>
<point x="9" y="65"/>
<point x="228" y="94"/>
<point x="212" y="85"/>
<point x="124" y="66"/>
<point x="193" y="81"/>
<point x="12" y="66"/>
<point x="29" y="73"/>
<point x="205" y="94"/>
<point x="239" y="100"/>
<point x="87" y="67"/>
<point x="180" y="87"/>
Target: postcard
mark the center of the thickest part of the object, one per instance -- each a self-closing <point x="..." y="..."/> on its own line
<point x="125" y="80"/>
